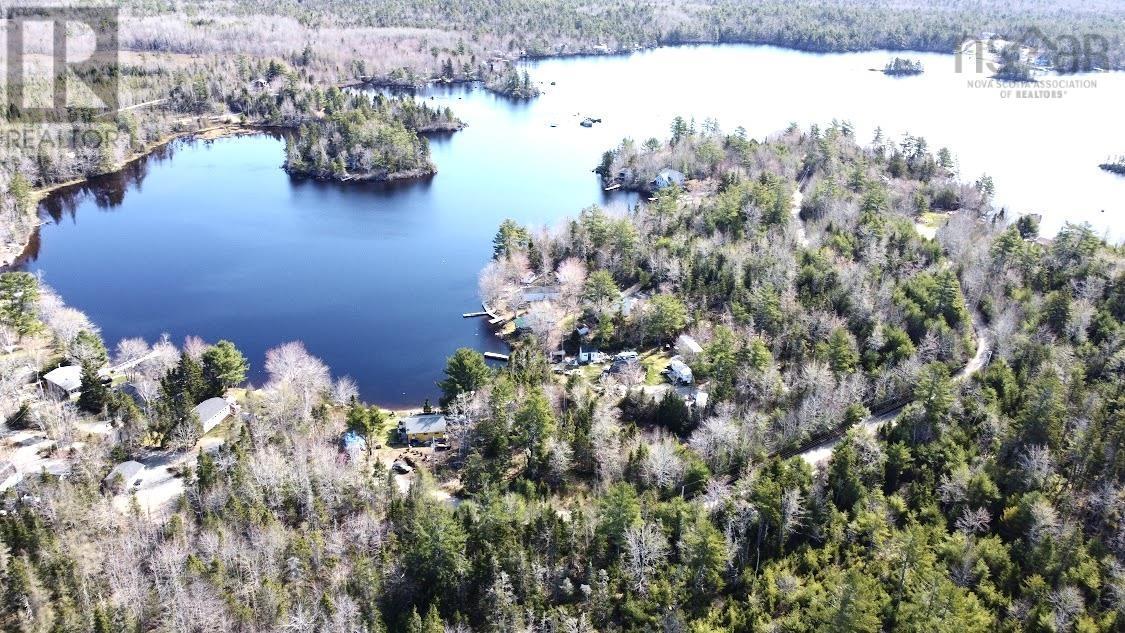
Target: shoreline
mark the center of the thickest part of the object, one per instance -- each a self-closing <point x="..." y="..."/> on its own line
<point x="12" y="251"/>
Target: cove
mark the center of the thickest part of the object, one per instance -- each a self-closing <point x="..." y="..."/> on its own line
<point x="213" y="238"/>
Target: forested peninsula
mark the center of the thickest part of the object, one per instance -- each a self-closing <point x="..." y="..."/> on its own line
<point x="899" y="432"/>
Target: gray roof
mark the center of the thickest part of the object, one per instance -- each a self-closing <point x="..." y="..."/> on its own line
<point x="128" y="470"/>
<point x="211" y="407"/>
<point x="427" y="423"/>
<point x="68" y="378"/>
<point x="689" y="344"/>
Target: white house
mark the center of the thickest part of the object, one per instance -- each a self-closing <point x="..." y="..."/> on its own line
<point x="64" y="382"/>
<point x="124" y="476"/>
<point x="679" y="372"/>
<point x="213" y="411"/>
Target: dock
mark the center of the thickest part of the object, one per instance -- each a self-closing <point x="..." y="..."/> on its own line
<point x="496" y="356"/>
<point x="470" y="315"/>
<point x="614" y="187"/>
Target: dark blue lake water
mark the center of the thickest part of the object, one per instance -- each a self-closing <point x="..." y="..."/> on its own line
<point x="214" y="239"/>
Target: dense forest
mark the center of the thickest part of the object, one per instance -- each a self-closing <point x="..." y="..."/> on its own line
<point x="188" y="67"/>
<point x="356" y="138"/>
<point x="604" y="501"/>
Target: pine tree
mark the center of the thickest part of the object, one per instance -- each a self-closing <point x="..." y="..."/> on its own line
<point x="95" y="394"/>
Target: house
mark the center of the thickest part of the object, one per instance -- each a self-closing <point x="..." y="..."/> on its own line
<point x="532" y="294"/>
<point x="354" y="444"/>
<point x="668" y="178"/>
<point x="421" y="429"/>
<point x="688" y="346"/>
<point x="124" y="476"/>
<point x="64" y="382"/>
<point x="522" y="324"/>
<point x="213" y="411"/>
<point x="582" y="330"/>
<point x="587" y="355"/>
<point x="679" y="372"/>
<point x="9" y="475"/>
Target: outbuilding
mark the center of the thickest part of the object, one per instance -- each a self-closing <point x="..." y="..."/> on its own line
<point x="124" y="476"/>
<point x="213" y="411"/>
<point x="688" y="346"/>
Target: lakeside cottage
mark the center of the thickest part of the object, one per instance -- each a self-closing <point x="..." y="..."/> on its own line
<point x="422" y="428"/>
<point x="213" y="411"/>
<point x="668" y="178"/>
<point x="64" y="382"/>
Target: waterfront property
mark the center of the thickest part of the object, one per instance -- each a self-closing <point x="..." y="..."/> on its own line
<point x="421" y="429"/>
<point x="213" y="411"/>
<point x="668" y="177"/>
<point x="64" y="382"/>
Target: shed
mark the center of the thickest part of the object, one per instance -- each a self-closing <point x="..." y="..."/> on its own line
<point x="212" y="411"/>
<point x="64" y="382"/>
<point x="688" y="346"/>
<point x="679" y="372"/>
<point x="423" y="428"/>
<point x="668" y="178"/>
<point x="124" y="476"/>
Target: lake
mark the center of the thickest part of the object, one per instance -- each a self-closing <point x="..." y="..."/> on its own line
<point x="212" y="238"/>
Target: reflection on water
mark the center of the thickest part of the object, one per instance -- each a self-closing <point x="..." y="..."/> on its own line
<point x="212" y="238"/>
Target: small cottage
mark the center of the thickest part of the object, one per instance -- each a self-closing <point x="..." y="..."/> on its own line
<point x="587" y="355"/>
<point x="668" y="178"/>
<point x="213" y="411"/>
<point x="422" y="429"/>
<point x="64" y="382"/>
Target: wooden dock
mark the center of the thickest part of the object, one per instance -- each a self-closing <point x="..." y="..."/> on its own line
<point x="495" y="356"/>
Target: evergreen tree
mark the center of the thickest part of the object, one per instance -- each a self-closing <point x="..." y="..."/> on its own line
<point x="94" y="395"/>
<point x="223" y="367"/>
<point x="465" y="372"/>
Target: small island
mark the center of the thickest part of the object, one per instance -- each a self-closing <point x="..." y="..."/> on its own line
<point x="360" y="138"/>
<point x="1115" y="165"/>
<point x="514" y="84"/>
<point x="902" y="67"/>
